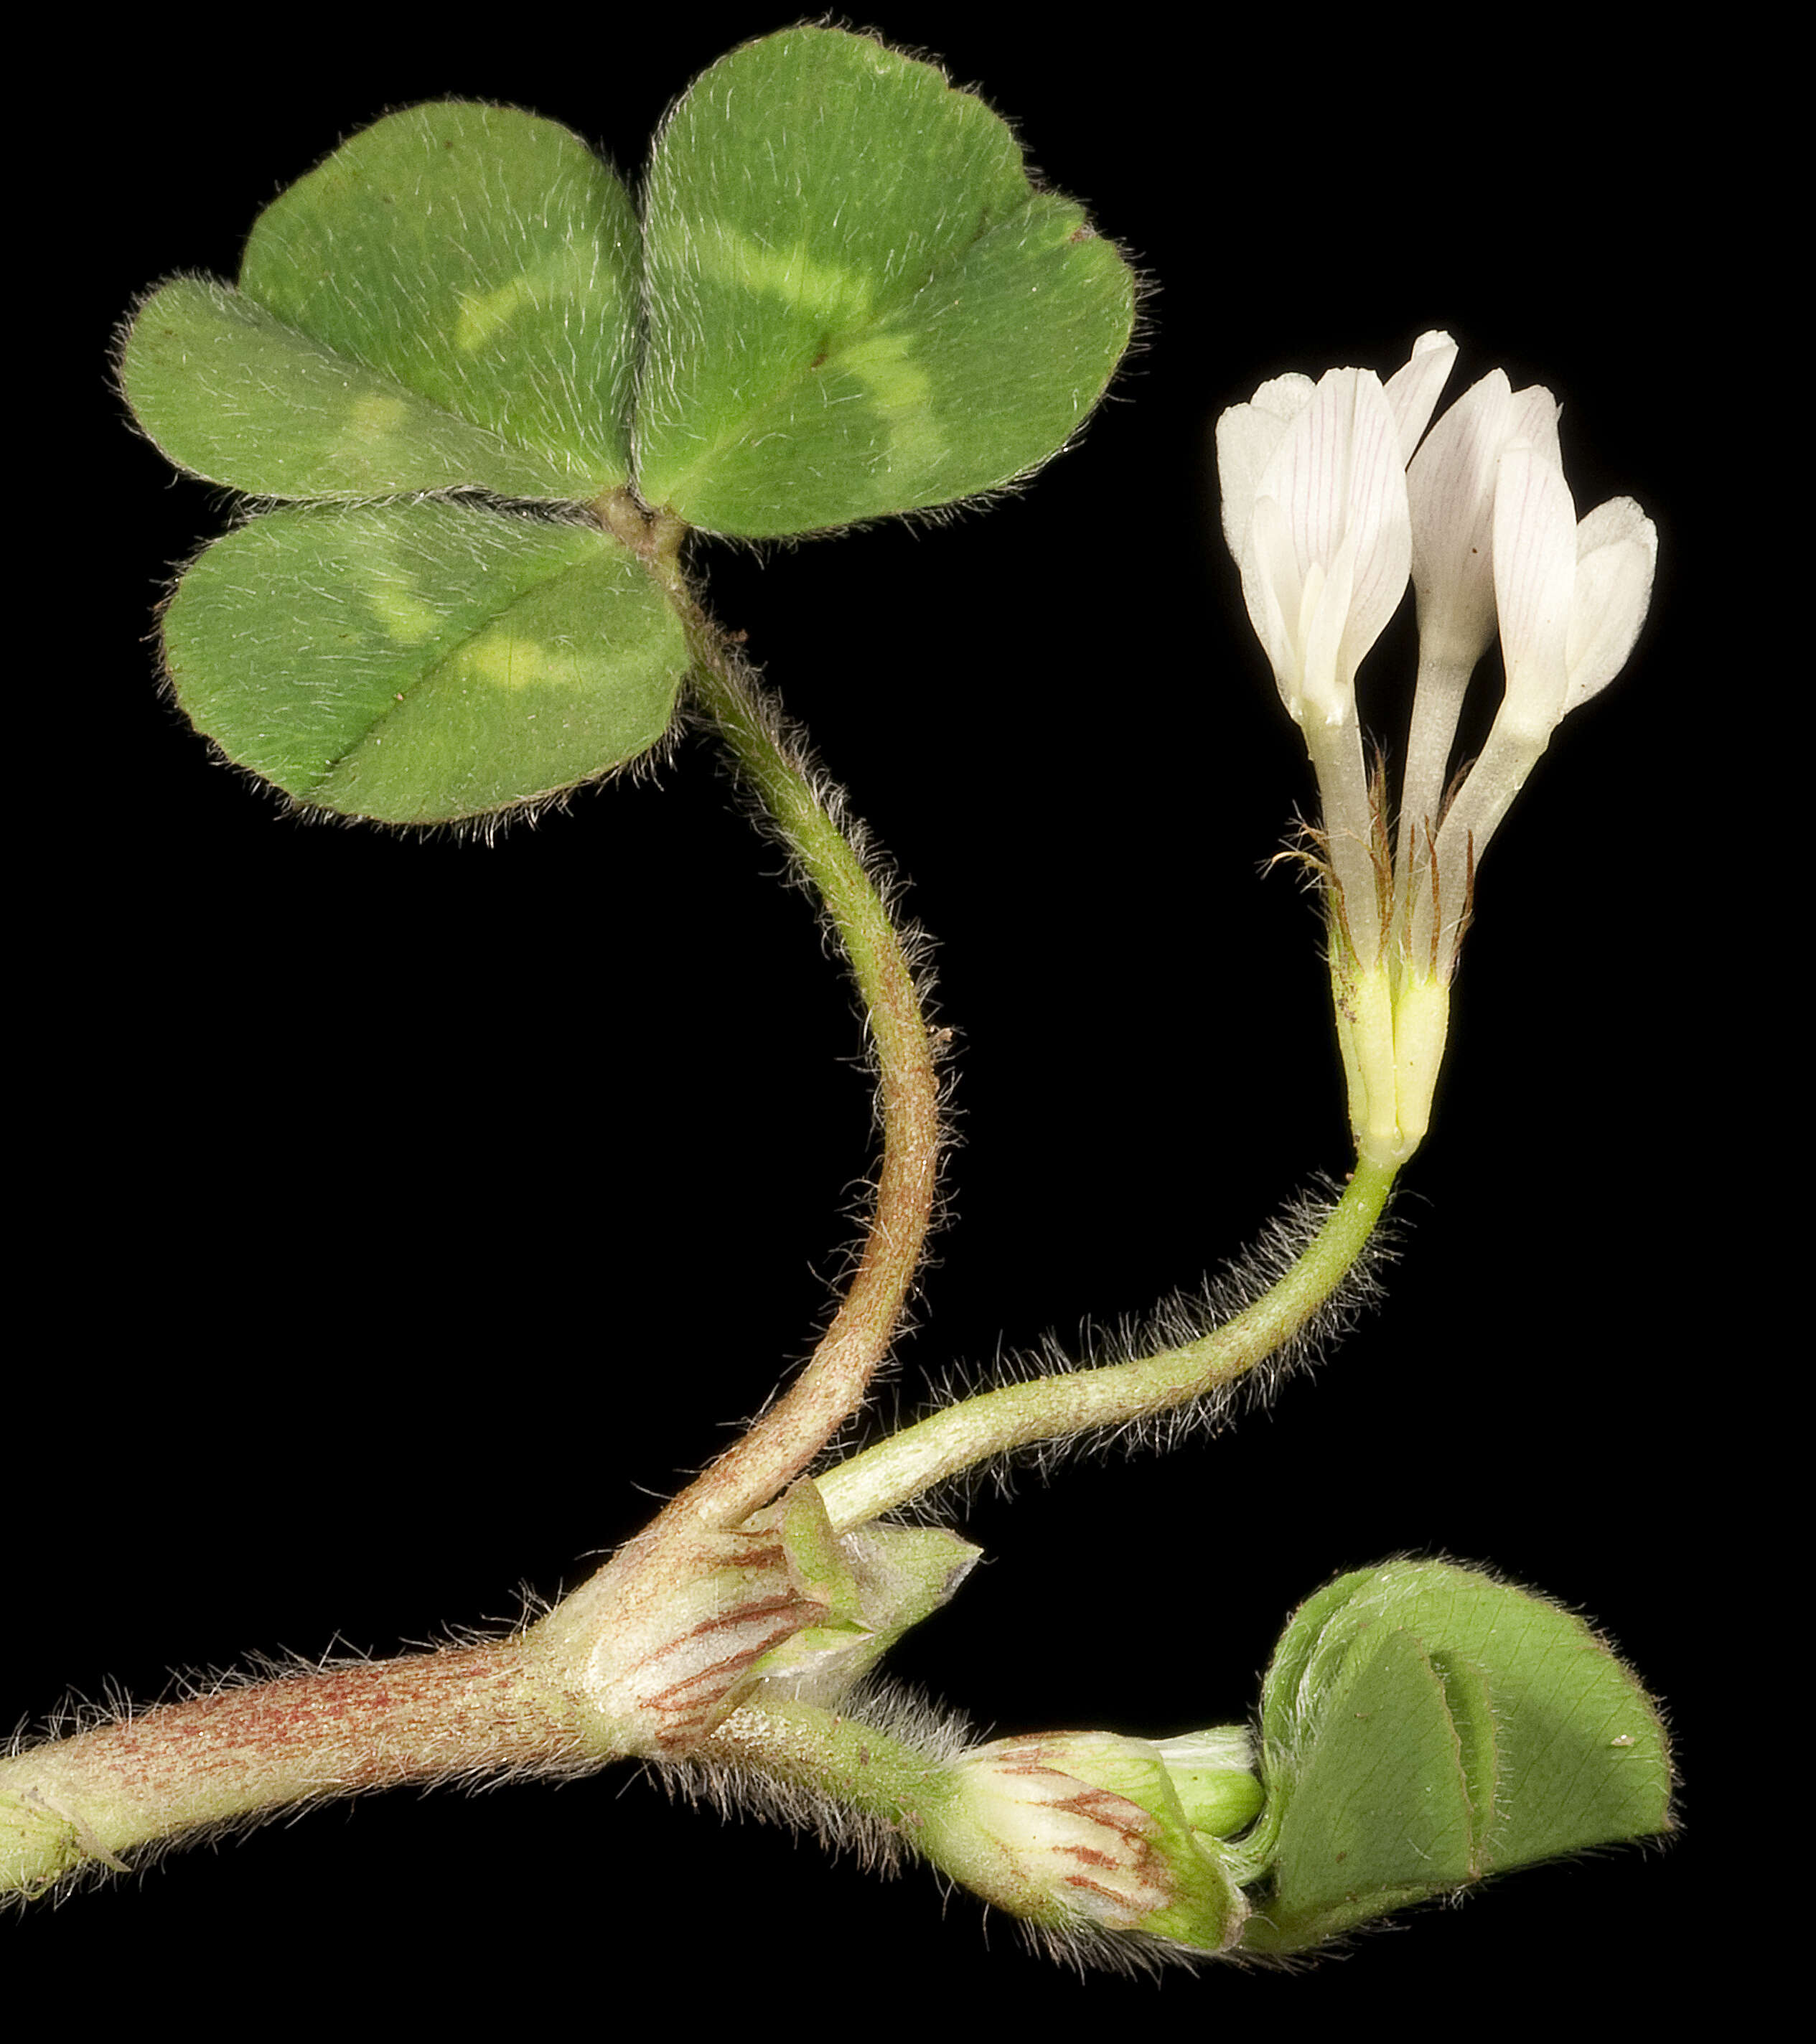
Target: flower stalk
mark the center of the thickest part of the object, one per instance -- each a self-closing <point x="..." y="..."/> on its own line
<point x="961" y="1436"/>
<point x="1083" y="1836"/>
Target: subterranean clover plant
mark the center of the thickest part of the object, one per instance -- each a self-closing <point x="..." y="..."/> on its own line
<point x="483" y="404"/>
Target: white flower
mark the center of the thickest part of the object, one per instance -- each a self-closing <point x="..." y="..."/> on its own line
<point x="1571" y="597"/>
<point x="1314" y="479"/>
<point x="1330" y="503"/>
<point x="1450" y="484"/>
<point x="1315" y="512"/>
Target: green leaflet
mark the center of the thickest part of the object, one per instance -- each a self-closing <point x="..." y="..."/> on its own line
<point x="450" y="299"/>
<point x="1424" y="1726"/>
<point x="422" y="662"/>
<point x="227" y="390"/>
<point x="1379" y="1813"/>
<point x="858" y="305"/>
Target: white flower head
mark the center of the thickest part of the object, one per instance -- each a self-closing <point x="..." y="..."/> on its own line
<point x="1334" y="498"/>
<point x="1315" y="513"/>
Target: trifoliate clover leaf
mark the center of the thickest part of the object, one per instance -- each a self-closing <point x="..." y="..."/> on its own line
<point x="855" y="304"/>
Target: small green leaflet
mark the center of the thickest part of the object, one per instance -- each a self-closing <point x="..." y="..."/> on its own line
<point x="858" y="305"/>
<point x="449" y="300"/>
<point x="421" y="663"/>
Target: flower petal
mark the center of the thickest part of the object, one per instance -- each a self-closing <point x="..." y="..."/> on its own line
<point x="1379" y="521"/>
<point x="1323" y="618"/>
<point x="1535" y="574"/>
<point x="1413" y="391"/>
<point x="1533" y="416"/>
<point x="1273" y="589"/>
<point x="1338" y="478"/>
<point x="1450" y="488"/>
<point x="1247" y="435"/>
<point x="1617" y="551"/>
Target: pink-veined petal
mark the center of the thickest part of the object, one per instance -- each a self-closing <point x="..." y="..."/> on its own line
<point x="1413" y="392"/>
<point x="1533" y="416"/>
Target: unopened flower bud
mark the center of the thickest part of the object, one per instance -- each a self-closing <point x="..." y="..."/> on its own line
<point x="1213" y="1774"/>
<point x="1081" y="1831"/>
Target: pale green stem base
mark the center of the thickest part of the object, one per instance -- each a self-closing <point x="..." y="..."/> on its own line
<point x="1353" y="840"/>
<point x="858" y="1766"/>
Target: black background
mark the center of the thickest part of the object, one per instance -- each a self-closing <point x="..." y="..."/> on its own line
<point x="411" y="1213"/>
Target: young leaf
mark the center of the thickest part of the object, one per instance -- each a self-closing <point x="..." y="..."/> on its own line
<point x="901" y="1575"/>
<point x="858" y="303"/>
<point x="1424" y="1726"/>
<point x="1380" y="1813"/>
<point x="450" y="299"/>
<point x="422" y="662"/>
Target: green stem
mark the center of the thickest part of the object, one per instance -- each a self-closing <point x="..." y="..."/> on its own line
<point x="859" y="1766"/>
<point x="977" y="1430"/>
<point x="1072" y="1832"/>
<point x="918" y="1800"/>
<point x="249" y="1751"/>
<point x="805" y="814"/>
